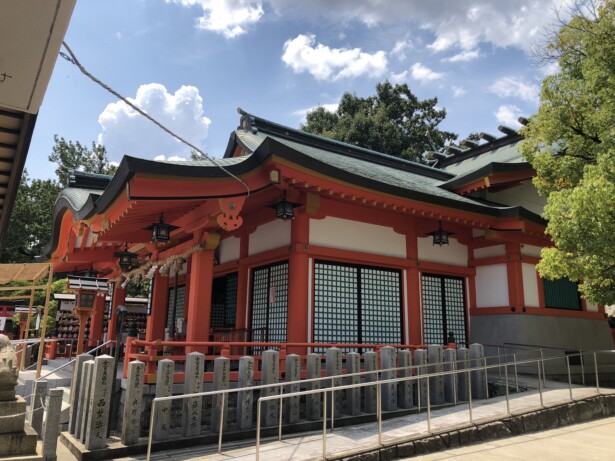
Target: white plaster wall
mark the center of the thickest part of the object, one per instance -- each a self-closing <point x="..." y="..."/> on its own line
<point x="524" y="195"/>
<point x="345" y="234"/>
<point x="591" y="307"/>
<point x="274" y="234"/>
<point x="488" y="252"/>
<point x="454" y="253"/>
<point x="530" y="285"/>
<point x="492" y="286"/>
<point x="228" y="250"/>
<point x="530" y="250"/>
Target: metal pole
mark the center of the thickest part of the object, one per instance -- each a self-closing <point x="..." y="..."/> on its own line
<point x="280" y="415"/>
<point x="379" y="411"/>
<point x="418" y="391"/>
<point x="455" y="383"/>
<point x="221" y="422"/>
<point x="486" y="378"/>
<point x="258" y="429"/>
<point x="542" y="365"/>
<point x="470" y="396"/>
<point x="499" y="363"/>
<point x="151" y="431"/>
<point x="506" y="384"/>
<point x="324" y="426"/>
<point x="332" y="405"/>
<point x="539" y="385"/>
<point x="582" y="367"/>
<point x="41" y="347"/>
<point x="516" y="376"/>
<point x="428" y="408"/>
<point x="24" y="348"/>
<point x="569" y="379"/>
<point x="596" y="369"/>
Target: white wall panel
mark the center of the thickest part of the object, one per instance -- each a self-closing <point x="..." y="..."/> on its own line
<point x="531" y="250"/>
<point x="345" y="234"/>
<point x="530" y="285"/>
<point x="274" y="234"/>
<point x="229" y="249"/>
<point x="492" y="286"/>
<point x="489" y="252"/>
<point x="454" y="253"/>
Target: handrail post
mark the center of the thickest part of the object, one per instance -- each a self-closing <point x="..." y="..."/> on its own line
<point x="280" y="414"/>
<point x="499" y="363"/>
<point x="569" y="378"/>
<point x="379" y="411"/>
<point x="221" y="422"/>
<point x="324" y="425"/>
<point x="151" y="431"/>
<point x="516" y="375"/>
<point x="506" y="385"/>
<point x="332" y="405"/>
<point x="470" y="396"/>
<point x="539" y="384"/>
<point x="428" y="407"/>
<point x="258" y="429"/>
<point x="542" y="365"/>
<point x="582" y="367"/>
<point x="596" y="369"/>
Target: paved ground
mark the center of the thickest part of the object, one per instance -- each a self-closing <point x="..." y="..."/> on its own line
<point x="593" y="441"/>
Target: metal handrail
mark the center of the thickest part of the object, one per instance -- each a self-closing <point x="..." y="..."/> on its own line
<point x="377" y="383"/>
<point x="64" y="365"/>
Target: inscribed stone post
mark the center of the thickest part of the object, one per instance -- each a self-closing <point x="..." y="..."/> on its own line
<point x="51" y="430"/>
<point x="450" y="381"/>
<point x="37" y="407"/>
<point x="164" y="388"/>
<point x="334" y="368"/>
<point x="76" y="398"/>
<point x="131" y="416"/>
<point x="84" y="405"/>
<point x="193" y="384"/>
<point x="405" y="394"/>
<point x="420" y="360"/>
<point x="463" y="356"/>
<point x="435" y="355"/>
<point x="270" y="374"/>
<point x="388" y="360"/>
<point x="353" y="395"/>
<point x="100" y="402"/>
<point x="370" y="360"/>
<point x="313" y="402"/>
<point x="291" y="404"/>
<point x="245" y="397"/>
<point x="479" y="384"/>
<point x="222" y="368"/>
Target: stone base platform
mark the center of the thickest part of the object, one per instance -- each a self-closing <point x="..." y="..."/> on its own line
<point x="13" y="416"/>
<point x="19" y="445"/>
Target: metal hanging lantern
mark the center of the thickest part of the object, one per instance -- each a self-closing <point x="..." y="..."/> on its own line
<point x="440" y="236"/>
<point x="285" y="210"/>
<point x="161" y="232"/>
<point x="125" y="257"/>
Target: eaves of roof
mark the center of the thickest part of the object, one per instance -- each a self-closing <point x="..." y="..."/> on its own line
<point x="487" y="170"/>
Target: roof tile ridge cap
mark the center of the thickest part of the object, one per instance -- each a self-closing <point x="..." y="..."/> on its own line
<point x="471" y="153"/>
<point x="337" y="144"/>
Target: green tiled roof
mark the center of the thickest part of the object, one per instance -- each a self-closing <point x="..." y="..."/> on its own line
<point x="505" y="154"/>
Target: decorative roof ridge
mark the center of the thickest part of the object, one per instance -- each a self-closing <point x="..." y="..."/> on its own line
<point x="257" y="124"/>
<point x="84" y="180"/>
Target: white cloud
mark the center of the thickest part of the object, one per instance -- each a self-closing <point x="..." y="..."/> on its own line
<point x="324" y="63"/>
<point x="399" y="78"/>
<point x="172" y="158"/>
<point x="228" y="17"/>
<point x="400" y="48"/>
<point x="464" y="25"/>
<point x="458" y="91"/>
<point x="506" y="87"/>
<point x="550" y="68"/>
<point x="464" y="56"/>
<point x="126" y="132"/>
<point x="424" y="74"/>
<point x="508" y="115"/>
<point x="303" y="112"/>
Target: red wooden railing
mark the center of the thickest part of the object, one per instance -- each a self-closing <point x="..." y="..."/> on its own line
<point x="151" y="352"/>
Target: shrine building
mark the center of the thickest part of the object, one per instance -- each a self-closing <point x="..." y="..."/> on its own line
<point x="299" y="239"/>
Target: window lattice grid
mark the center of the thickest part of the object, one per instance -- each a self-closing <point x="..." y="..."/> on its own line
<point x="231" y="300"/>
<point x="175" y="311"/>
<point x="278" y="287"/>
<point x="260" y="299"/>
<point x="455" y="309"/>
<point x="380" y="306"/>
<point x="433" y="318"/>
<point x="335" y="304"/>
<point x="224" y="301"/>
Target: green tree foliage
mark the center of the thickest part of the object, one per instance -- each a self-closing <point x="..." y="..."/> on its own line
<point x="571" y="144"/>
<point x="394" y="122"/>
<point x="30" y="224"/>
<point x="69" y="155"/>
<point x="59" y="286"/>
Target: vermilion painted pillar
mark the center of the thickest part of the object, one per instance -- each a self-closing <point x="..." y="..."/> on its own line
<point x="199" y="305"/>
<point x="242" y="285"/>
<point x="298" y="267"/>
<point x="157" y="319"/>
<point x="413" y="313"/>
<point x="516" y="297"/>
<point x="96" y="322"/>
<point x="119" y="298"/>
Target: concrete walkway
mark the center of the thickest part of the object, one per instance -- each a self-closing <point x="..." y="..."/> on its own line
<point x="592" y="441"/>
<point x="346" y="440"/>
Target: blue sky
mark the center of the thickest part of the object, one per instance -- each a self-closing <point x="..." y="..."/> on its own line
<point x="191" y="63"/>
